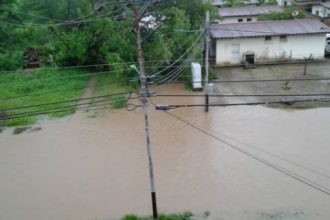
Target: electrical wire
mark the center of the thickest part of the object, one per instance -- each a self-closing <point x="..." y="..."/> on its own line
<point x="277" y="156"/>
<point x="168" y="107"/>
<point x="53" y="112"/>
<point x="66" y="77"/>
<point x="37" y="16"/>
<point x="274" y="166"/>
<point x="66" y="107"/>
<point x="65" y="101"/>
<point x="147" y="62"/>
<point x="243" y="95"/>
<point x="200" y="37"/>
<point x="35" y="94"/>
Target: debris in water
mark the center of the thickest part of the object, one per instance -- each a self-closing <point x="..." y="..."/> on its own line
<point x="21" y="130"/>
<point x="36" y="129"/>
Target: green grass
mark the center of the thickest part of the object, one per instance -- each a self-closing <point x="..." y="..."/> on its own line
<point x="111" y="84"/>
<point x="42" y="86"/>
<point x="184" y="216"/>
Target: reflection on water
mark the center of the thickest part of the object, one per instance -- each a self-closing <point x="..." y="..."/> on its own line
<point x="81" y="168"/>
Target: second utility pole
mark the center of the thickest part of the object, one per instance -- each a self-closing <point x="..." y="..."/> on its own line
<point x="144" y="91"/>
<point x="207" y="44"/>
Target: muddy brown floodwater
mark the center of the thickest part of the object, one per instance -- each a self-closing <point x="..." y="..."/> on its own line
<point x="81" y="168"/>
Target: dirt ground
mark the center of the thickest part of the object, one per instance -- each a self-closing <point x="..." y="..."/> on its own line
<point x="274" y="72"/>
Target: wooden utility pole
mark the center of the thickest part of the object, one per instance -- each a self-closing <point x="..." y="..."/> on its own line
<point x="144" y="92"/>
<point x="207" y="44"/>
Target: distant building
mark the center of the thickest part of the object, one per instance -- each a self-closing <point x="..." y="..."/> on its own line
<point x="268" y="41"/>
<point x="306" y="5"/>
<point x="245" y="14"/>
<point x="321" y="9"/>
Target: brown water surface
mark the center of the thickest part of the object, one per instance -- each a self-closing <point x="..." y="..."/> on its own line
<point x="81" y="168"/>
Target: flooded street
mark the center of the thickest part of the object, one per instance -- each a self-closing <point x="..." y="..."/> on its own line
<point x="86" y="168"/>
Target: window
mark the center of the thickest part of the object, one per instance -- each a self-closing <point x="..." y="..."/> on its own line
<point x="317" y="12"/>
<point x="249" y="19"/>
<point x="268" y="38"/>
<point x="283" y="38"/>
<point x="240" y="20"/>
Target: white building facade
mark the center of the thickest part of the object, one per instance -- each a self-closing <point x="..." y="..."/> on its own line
<point x="322" y="9"/>
<point x="284" y="3"/>
<point x="268" y="43"/>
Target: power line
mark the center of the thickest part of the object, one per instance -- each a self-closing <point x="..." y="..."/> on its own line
<point x="70" y="22"/>
<point x="187" y="51"/>
<point x="150" y="62"/>
<point x="66" y="77"/>
<point x="284" y="171"/>
<point x="278" y="156"/>
<point x="37" y="16"/>
<point x="64" y="108"/>
<point x="65" y="101"/>
<point x="261" y="80"/>
<point x="169" y="107"/>
<point x="243" y="95"/>
<point x="175" y="74"/>
<point x="56" y="111"/>
<point x="13" y="98"/>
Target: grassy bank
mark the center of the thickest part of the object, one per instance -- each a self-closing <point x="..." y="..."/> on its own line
<point x="37" y="87"/>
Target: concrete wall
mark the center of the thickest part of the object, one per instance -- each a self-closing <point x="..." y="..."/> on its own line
<point x="231" y="51"/>
<point x="323" y="12"/>
<point x="230" y="20"/>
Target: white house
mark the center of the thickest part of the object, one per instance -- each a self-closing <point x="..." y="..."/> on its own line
<point x="321" y="9"/>
<point x="245" y="14"/>
<point x="265" y="41"/>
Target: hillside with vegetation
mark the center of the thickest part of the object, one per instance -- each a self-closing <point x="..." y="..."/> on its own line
<point x="48" y="44"/>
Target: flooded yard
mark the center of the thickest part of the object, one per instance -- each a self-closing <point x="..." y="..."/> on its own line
<point x="84" y="168"/>
<point x="274" y="80"/>
<point x="221" y="165"/>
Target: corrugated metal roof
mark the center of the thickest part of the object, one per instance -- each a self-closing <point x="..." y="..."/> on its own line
<point x="306" y="2"/>
<point x="268" y="28"/>
<point x="249" y="10"/>
<point x="222" y="2"/>
<point x="325" y="4"/>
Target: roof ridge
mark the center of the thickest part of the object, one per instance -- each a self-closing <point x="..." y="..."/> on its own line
<point x="263" y="22"/>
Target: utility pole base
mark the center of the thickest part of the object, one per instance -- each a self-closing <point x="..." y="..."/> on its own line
<point x="154" y="205"/>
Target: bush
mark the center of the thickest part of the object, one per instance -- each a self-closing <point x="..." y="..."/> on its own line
<point x="70" y="48"/>
<point x="287" y="14"/>
<point x="11" y="60"/>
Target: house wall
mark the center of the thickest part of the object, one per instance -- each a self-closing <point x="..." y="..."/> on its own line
<point x="323" y="12"/>
<point x="230" y="20"/>
<point x="284" y="2"/>
<point x="295" y="47"/>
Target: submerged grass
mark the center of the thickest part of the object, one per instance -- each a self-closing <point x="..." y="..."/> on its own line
<point x="111" y="84"/>
<point x="33" y="88"/>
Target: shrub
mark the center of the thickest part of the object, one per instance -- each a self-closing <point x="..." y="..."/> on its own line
<point x="11" y="60"/>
